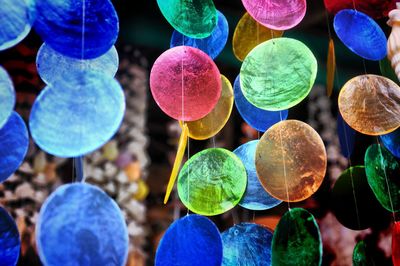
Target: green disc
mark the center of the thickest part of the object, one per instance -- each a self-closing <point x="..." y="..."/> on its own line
<point x="387" y="70"/>
<point x="383" y="173"/>
<point x="212" y="182"/>
<point x="361" y="256"/>
<point x="194" y="18"/>
<point x="278" y="74"/>
<point x="297" y="240"/>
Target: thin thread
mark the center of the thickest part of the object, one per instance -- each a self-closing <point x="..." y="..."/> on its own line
<point x="354" y="5"/>
<point x="365" y="67"/>
<point x="328" y="24"/>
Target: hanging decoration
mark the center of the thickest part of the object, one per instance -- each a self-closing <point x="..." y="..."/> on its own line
<point x="374" y="8"/>
<point x="392" y="142"/>
<point x="347" y="136"/>
<point x="387" y="71"/>
<point x="7" y="96"/>
<point x="361" y="255"/>
<point x="330" y="68"/>
<point x="393" y="41"/>
<point x="10" y="243"/>
<point x="396" y="243"/>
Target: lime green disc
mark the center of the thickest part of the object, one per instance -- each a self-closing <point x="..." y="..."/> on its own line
<point x="278" y="74"/>
<point x="195" y="18"/>
<point x="212" y="182"/>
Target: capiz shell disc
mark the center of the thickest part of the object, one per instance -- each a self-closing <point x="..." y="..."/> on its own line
<point x="7" y="96"/>
<point x="396" y="243"/>
<point x="10" y="243"/>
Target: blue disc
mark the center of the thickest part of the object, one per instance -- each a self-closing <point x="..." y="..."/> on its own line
<point x="60" y="24"/>
<point x="7" y="96"/>
<point x="16" y="19"/>
<point x="247" y="244"/>
<point x="85" y="225"/>
<point x="392" y="142"/>
<point x="212" y="45"/>
<point x="361" y="34"/>
<point x="347" y="137"/>
<point x="10" y="243"/>
<point x="78" y="114"/>
<point x="190" y="241"/>
<point x="255" y="197"/>
<point x="48" y="58"/>
<point x="257" y="118"/>
<point x="14" y="142"/>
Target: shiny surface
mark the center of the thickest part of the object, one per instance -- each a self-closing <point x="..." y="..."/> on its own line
<point x="188" y="70"/>
<point x="85" y="225"/>
<point x="291" y="161"/>
<point x="255" y="197"/>
<point x="211" y="45"/>
<point x="331" y="68"/>
<point x="382" y="171"/>
<point x="347" y="137"/>
<point x="48" y="58"/>
<point x="211" y="124"/>
<point x="247" y="244"/>
<point x="360" y="34"/>
<point x="396" y="243"/>
<point x="361" y="256"/>
<point x="277" y="14"/>
<point x="60" y="24"/>
<point x="16" y="19"/>
<point x="392" y="142"/>
<point x="212" y="182"/>
<point x="195" y="18"/>
<point x="248" y="34"/>
<point x="77" y="114"/>
<point x="257" y="118"/>
<point x="192" y="240"/>
<point x="10" y="243"/>
<point x="370" y="104"/>
<point x="7" y="96"/>
<point x="297" y="240"/>
<point x="283" y="80"/>
<point x="14" y="142"/>
<point x="374" y="8"/>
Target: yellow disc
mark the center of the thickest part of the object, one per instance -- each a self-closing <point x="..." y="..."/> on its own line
<point x="248" y="34"/>
<point x="330" y="68"/>
<point x="370" y="104"/>
<point x="291" y="160"/>
<point x="212" y="123"/>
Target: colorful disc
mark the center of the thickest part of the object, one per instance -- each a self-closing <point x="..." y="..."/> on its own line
<point x="77" y="114"/>
<point x="211" y="45"/>
<point x="189" y="71"/>
<point x="80" y="29"/>
<point x="257" y="118"/>
<point x="374" y="8"/>
<point x="10" y="243"/>
<point x="370" y="104"/>
<point x="209" y="126"/>
<point x="282" y="167"/>
<point x="396" y="243"/>
<point x="361" y="34"/>
<point x="14" y="142"/>
<point x="248" y="34"/>
<point x="283" y="80"/>
<point x="7" y="96"/>
<point x="191" y="240"/>
<point x="330" y="68"/>
<point x="277" y="14"/>
<point x="297" y="240"/>
<point x="247" y="244"/>
<point x="347" y="137"/>
<point x="387" y="71"/>
<point x="255" y="197"/>
<point x="195" y="19"/>
<point x="47" y="59"/>
<point x="392" y="142"/>
<point x="212" y="182"/>
<point x="361" y="255"/>
<point x="85" y="225"/>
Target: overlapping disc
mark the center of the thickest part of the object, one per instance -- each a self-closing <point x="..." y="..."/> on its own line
<point x="396" y="243"/>
<point x="374" y="8"/>
<point x="347" y="137"/>
<point x="10" y="243"/>
<point x="392" y="142"/>
<point x="7" y="96"/>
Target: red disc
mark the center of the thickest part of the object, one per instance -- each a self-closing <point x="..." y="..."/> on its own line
<point x="373" y="8"/>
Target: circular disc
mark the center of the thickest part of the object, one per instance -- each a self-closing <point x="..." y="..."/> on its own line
<point x="255" y="197"/>
<point x="392" y="142"/>
<point x="10" y="243"/>
<point x="362" y="255"/>
<point x="7" y="96"/>
<point x="60" y="24"/>
<point x="47" y="58"/>
<point x="85" y="225"/>
<point x="283" y="80"/>
<point x="191" y="240"/>
<point x="291" y="161"/>
<point x="257" y="118"/>
<point x="201" y="83"/>
<point x="248" y="34"/>
<point x="374" y="8"/>
<point x="212" y="182"/>
<point x="370" y="104"/>
<point x="396" y="243"/>
<point x="297" y="240"/>
<point x="14" y="142"/>
<point x="247" y="244"/>
<point x="211" y="124"/>
<point x="211" y="45"/>
<point x="360" y="34"/>
<point x="195" y="19"/>
<point x="277" y="14"/>
<point x="77" y="114"/>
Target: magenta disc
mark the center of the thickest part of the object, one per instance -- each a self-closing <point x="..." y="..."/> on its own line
<point x="277" y="14"/>
<point x="199" y="83"/>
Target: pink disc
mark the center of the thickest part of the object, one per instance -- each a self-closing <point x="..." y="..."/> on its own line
<point x="277" y="14"/>
<point x="201" y="83"/>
